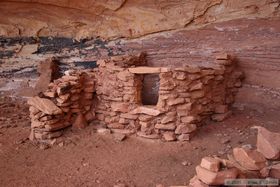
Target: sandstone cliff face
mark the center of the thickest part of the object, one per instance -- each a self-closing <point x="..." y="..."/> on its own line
<point x="171" y="32"/>
<point x="122" y="18"/>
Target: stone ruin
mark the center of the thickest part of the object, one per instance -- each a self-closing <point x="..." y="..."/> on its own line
<point x="112" y="95"/>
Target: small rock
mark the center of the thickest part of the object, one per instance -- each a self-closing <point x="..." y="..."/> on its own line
<point x="119" y="136"/>
<point x="169" y="136"/>
<point x="103" y="131"/>
<point x="210" y="163"/>
<point x="61" y="144"/>
<point x="185" y="163"/>
<point x="43" y="146"/>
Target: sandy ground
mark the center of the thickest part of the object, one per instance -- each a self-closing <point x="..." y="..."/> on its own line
<point x="86" y="158"/>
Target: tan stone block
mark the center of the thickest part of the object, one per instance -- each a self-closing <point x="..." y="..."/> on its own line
<point x="222" y="56"/>
<point x="145" y="118"/>
<point x="188" y="119"/>
<point x="186" y="106"/>
<point x="57" y="126"/>
<point x="195" y="182"/>
<point x="169" y="136"/>
<point x="197" y="94"/>
<point x="129" y="116"/>
<point x="215" y="178"/>
<point x="44" y="105"/>
<point x="185" y="128"/>
<point x="144" y="70"/>
<point x="176" y="101"/>
<point x="249" y="159"/>
<point x="51" y="94"/>
<point x="210" y="163"/>
<point x="168" y="126"/>
<point x="145" y="124"/>
<point x="184" y="137"/>
<point x="146" y="110"/>
<point x="196" y="86"/>
<point x="167" y="119"/>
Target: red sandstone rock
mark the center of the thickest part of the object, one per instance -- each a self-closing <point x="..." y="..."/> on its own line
<point x="210" y="163"/>
<point x="169" y="136"/>
<point x="188" y="119"/>
<point x="249" y="159"/>
<point x="44" y="105"/>
<point x="144" y="70"/>
<point x="168" y="126"/>
<point x="195" y="182"/>
<point x="268" y="143"/>
<point x="185" y="128"/>
<point x="222" y="56"/>
<point x="215" y="178"/>
<point x="184" y="137"/>
<point x="146" y="110"/>
<point x="176" y="101"/>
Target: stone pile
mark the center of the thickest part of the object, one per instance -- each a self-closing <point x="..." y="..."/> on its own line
<point x="245" y="163"/>
<point x="187" y="96"/>
<point x="67" y="101"/>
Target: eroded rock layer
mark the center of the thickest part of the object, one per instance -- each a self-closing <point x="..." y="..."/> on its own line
<point x="121" y="18"/>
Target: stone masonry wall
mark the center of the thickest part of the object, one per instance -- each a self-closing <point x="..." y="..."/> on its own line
<point x="187" y="96"/>
<point x="66" y="102"/>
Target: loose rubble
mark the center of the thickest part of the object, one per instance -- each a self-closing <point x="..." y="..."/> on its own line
<point x="245" y="162"/>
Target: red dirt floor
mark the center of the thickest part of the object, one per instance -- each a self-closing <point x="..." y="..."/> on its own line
<point x="86" y="158"/>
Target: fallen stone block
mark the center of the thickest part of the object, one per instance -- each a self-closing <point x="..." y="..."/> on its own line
<point x="249" y="159"/>
<point x="210" y="163"/>
<point x="268" y="143"/>
<point x="215" y="178"/>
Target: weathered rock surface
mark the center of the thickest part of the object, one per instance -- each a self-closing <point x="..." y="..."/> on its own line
<point x="109" y="19"/>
